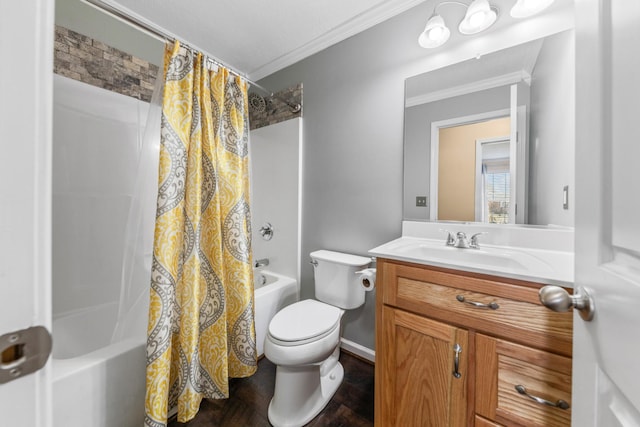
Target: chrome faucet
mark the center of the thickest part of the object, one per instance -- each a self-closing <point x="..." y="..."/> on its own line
<point x="462" y="242"/>
<point x="261" y="263"/>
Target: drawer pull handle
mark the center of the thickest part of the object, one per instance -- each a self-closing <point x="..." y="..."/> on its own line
<point x="559" y="404"/>
<point x="456" y="360"/>
<point x="492" y="305"/>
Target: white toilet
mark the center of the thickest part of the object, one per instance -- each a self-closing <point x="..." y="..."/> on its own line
<point x="303" y="340"/>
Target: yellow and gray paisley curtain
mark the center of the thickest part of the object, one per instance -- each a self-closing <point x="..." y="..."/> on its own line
<point x="201" y="317"/>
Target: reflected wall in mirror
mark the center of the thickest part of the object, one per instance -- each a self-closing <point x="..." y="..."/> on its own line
<point x="472" y="179"/>
<point x="512" y="173"/>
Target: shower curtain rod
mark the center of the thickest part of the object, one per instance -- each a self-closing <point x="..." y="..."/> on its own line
<point x="141" y="24"/>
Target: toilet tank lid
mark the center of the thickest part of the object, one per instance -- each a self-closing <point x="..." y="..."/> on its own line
<point x="340" y="258"/>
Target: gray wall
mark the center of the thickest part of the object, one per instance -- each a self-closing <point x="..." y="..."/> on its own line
<point x="353" y="138"/>
<point x="417" y="139"/>
<point x="552" y="132"/>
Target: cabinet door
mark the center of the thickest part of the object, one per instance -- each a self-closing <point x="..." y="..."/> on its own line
<point x="419" y="385"/>
<point x="519" y="385"/>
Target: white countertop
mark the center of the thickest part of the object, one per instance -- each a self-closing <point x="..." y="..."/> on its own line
<point x="536" y="254"/>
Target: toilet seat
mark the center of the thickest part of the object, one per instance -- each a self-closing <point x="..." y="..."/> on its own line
<point x="304" y="322"/>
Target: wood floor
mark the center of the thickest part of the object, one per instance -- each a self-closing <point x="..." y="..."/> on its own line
<point x="351" y="406"/>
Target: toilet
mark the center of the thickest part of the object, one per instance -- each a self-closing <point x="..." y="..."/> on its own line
<point x="303" y="340"/>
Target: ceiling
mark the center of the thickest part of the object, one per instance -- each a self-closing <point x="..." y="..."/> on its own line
<point x="258" y="37"/>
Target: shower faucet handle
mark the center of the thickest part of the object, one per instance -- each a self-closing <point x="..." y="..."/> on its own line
<point x="266" y="231"/>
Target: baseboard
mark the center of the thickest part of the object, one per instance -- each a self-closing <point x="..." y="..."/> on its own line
<point x="358" y="350"/>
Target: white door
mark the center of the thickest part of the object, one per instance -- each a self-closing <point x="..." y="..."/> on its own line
<point x="26" y="52"/>
<point x="606" y="355"/>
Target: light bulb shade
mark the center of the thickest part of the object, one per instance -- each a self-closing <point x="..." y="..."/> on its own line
<point x="435" y="33"/>
<point x="480" y="16"/>
<point x="526" y="8"/>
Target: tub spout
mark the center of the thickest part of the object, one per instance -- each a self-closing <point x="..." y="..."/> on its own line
<point x="261" y="263"/>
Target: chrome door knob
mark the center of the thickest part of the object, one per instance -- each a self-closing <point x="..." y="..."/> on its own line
<point x="557" y="299"/>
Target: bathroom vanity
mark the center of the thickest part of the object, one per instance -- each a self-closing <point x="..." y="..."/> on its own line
<point x="456" y="346"/>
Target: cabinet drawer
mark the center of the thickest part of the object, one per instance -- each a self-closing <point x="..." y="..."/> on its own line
<point x="502" y="366"/>
<point x="515" y="312"/>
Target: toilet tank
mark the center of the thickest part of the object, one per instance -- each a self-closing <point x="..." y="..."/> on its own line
<point x="335" y="278"/>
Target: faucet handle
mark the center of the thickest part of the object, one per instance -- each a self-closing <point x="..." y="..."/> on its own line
<point x="473" y="241"/>
<point x="266" y="231"/>
<point x="450" y="239"/>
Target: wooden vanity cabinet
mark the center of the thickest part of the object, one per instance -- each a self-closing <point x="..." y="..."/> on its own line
<point x="501" y="366"/>
<point x="419" y="388"/>
<point x="506" y="338"/>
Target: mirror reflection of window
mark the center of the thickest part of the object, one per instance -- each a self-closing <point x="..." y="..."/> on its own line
<point x="496" y="185"/>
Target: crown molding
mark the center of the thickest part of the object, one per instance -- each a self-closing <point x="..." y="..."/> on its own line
<point x="357" y="24"/>
<point x="490" y="83"/>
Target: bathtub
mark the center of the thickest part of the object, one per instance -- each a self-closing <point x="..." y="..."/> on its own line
<point x="100" y="383"/>
<point x="272" y="292"/>
<point x="96" y="382"/>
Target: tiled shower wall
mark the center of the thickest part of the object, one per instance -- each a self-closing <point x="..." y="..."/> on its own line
<point x="276" y="110"/>
<point x="87" y="60"/>
<point x="90" y="61"/>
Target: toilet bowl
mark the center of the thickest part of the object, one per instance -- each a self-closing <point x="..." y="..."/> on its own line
<point x="308" y="372"/>
<point x="303" y="340"/>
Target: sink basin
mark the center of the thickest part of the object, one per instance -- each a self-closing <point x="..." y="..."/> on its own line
<point x="521" y="263"/>
<point x="486" y="256"/>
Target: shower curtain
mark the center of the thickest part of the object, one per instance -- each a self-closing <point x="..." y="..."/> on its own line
<point x="201" y="327"/>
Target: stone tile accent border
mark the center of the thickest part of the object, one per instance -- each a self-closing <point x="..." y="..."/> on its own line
<point x="277" y="111"/>
<point x="90" y="61"/>
<point x="87" y="60"/>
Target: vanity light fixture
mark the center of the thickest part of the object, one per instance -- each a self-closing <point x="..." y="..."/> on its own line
<point x="479" y="16"/>
<point x="435" y="33"/>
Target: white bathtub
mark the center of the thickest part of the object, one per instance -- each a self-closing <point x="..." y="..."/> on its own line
<point x="98" y="383"/>
<point x="95" y="382"/>
<point x="271" y="295"/>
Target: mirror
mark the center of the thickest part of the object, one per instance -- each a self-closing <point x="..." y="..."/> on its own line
<point x="492" y="139"/>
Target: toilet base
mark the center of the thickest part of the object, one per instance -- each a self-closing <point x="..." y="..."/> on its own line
<point x="303" y="391"/>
